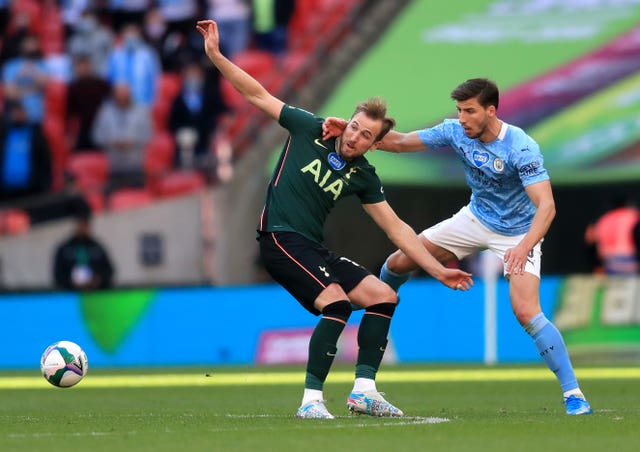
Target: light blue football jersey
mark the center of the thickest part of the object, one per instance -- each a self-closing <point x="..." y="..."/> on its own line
<point x="496" y="172"/>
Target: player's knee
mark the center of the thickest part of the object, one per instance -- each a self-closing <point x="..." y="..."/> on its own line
<point x="524" y="314"/>
<point x="386" y="294"/>
<point x="394" y="262"/>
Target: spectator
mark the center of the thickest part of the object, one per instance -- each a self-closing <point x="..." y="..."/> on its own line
<point x="195" y="112"/>
<point x="636" y="241"/>
<point x="270" y="24"/>
<point x="86" y="92"/>
<point x="80" y="261"/>
<point x="124" y="12"/>
<point x="19" y="27"/>
<point x="4" y="16"/>
<point x="612" y="235"/>
<point x="25" y="162"/>
<point x="122" y="129"/>
<point x="179" y="15"/>
<point x="25" y="79"/>
<point x="134" y="62"/>
<point x="91" y="37"/>
<point x="72" y="12"/>
<point x="234" y="23"/>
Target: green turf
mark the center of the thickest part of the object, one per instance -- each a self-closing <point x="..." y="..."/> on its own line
<point x="487" y="415"/>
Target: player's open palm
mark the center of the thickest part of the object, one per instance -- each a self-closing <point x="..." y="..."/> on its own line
<point x="209" y="31"/>
<point x="456" y="279"/>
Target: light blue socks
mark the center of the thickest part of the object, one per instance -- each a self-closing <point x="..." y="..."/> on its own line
<point x="551" y="347"/>
<point x="393" y="279"/>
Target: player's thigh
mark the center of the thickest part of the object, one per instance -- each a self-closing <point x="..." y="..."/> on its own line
<point x="362" y="288"/>
<point x="372" y="291"/>
<point x="301" y="267"/>
<point x="499" y="244"/>
<point x="524" y="292"/>
<point x="456" y="237"/>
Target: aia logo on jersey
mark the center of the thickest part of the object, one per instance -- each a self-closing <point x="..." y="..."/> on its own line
<point x="335" y="161"/>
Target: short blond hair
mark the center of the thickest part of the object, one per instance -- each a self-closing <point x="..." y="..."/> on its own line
<point x="376" y="108"/>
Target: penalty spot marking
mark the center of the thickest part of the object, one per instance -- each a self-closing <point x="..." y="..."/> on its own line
<point x="279" y="378"/>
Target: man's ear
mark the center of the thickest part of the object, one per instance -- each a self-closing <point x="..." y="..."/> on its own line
<point x="375" y="145"/>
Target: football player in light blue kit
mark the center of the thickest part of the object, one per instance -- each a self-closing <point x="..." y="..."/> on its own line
<point x="510" y="211"/>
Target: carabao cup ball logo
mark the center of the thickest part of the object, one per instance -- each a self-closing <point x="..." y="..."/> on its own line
<point x="336" y="161"/>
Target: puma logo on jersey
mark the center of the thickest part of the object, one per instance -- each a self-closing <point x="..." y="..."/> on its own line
<point x="324" y="270"/>
<point x="323" y="180"/>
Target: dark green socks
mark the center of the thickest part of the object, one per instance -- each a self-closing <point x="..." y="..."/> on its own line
<point x="372" y="338"/>
<point x="322" y="345"/>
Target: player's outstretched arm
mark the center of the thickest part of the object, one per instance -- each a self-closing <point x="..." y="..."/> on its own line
<point x="246" y="85"/>
<point x="392" y="142"/>
<point x="405" y="238"/>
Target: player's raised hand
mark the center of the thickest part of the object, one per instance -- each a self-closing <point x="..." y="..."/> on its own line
<point x="209" y="31"/>
<point x="456" y="279"/>
<point x="333" y="127"/>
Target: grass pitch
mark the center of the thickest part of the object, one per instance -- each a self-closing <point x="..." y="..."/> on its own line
<point x="448" y="409"/>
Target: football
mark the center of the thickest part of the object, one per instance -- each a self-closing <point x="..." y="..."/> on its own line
<point x="64" y="364"/>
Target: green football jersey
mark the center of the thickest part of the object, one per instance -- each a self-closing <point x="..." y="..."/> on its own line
<point x="310" y="178"/>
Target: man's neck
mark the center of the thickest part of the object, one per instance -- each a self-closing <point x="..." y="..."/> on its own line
<point x="492" y="131"/>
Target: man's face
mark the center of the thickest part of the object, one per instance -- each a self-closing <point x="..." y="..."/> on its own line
<point x="473" y="117"/>
<point x="359" y="136"/>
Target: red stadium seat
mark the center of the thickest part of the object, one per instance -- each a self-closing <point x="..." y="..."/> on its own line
<point x="255" y="62"/>
<point x="53" y="129"/>
<point x="56" y="99"/>
<point x="90" y="169"/>
<point x="159" y="154"/>
<point x="180" y="183"/>
<point x="14" y="222"/>
<point x="160" y="111"/>
<point x="129" y="198"/>
<point x="169" y="86"/>
<point x="230" y="96"/>
<point x="95" y="199"/>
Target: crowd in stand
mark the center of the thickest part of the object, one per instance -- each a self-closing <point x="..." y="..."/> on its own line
<point x="116" y="96"/>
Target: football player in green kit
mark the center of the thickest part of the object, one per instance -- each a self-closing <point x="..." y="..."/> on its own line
<point x="310" y="177"/>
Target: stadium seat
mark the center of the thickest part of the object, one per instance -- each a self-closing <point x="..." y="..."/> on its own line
<point x="169" y="86"/>
<point x="179" y="183"/>
<point x="95" y="199"/>
<point x="255" y="62"/>
<point x="56" y="99"/>
<point x="53" y="129"/>
<point x="90" y="169"/>
<point x="160" y="111"/>
<point x="159" y="154"/>
<point x="129" y="198"/>
<point x="14" y="222"/>
<point x="230" y="96"/>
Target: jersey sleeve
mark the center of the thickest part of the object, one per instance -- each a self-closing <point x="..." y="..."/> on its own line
<point x="296" y="119"/>
<point x="436" y="136"/>
<point x="373" y="191"/>
<point x="530" y="164"/>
